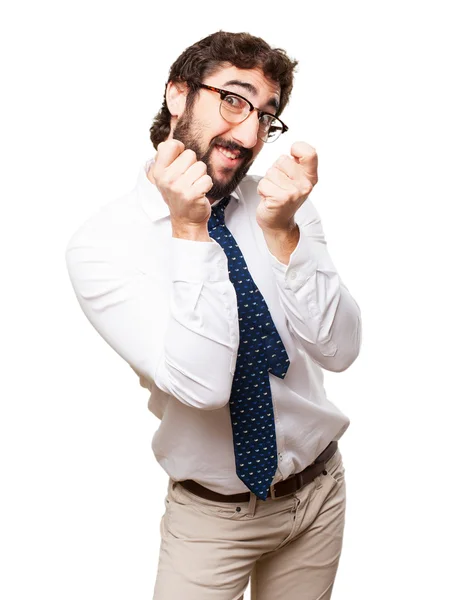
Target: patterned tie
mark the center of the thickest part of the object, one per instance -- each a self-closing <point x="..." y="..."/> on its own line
<point x="260" y="351"/>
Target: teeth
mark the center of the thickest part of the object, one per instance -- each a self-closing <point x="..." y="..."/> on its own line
<point x="227" y="153"/>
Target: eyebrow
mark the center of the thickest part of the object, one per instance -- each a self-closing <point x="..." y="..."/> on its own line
<point x="273" y="102"/>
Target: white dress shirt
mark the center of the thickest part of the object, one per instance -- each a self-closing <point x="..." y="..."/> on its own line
<point x="168" y="307"/>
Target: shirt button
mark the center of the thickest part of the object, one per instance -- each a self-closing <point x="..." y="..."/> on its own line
<point x="280" y="456"/>
<point x="293" y="275"/>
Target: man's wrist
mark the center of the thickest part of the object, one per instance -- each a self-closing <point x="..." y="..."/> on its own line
<point x="282" y="242"/>
<point x="197" y="233"/>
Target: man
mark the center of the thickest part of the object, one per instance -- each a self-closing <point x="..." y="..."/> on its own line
<point x="218" y="290"/>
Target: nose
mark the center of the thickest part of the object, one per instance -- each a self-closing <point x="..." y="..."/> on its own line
<point x="245" y="133"/>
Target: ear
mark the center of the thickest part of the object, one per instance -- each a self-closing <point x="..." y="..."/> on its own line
<point x="175" y="96"/>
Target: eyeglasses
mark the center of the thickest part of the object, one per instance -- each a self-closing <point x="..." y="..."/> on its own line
<point x="235" y="109"/>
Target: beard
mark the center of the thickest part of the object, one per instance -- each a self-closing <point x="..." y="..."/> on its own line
<point x="188" y="131"/>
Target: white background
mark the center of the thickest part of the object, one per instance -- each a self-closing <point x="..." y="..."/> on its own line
<point x="81" y="493"/>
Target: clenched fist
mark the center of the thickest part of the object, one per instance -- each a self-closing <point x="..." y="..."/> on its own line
<point x="286" y="186"/>
<point x="183" y="182"/>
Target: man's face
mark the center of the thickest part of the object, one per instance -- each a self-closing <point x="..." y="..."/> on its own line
<point x="202" y="129"/>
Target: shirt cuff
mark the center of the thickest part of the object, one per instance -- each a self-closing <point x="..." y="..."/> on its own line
<point x="198" y="261"/>
<point x="301" y="266"/>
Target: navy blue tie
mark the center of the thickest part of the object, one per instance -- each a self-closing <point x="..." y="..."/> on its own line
<point x="260" y="352"/>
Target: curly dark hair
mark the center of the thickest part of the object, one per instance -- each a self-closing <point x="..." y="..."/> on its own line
<point x="241" y="50"/>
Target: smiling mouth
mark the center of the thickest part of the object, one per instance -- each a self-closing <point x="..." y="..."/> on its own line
<point x="231" y="154"/>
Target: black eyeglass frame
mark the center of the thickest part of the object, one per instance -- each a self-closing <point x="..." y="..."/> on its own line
<point x="261" y="113"/>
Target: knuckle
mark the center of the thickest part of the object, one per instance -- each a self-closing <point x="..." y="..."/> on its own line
<point x="175" y="187"/>
<point x="190" y="154"/>
<point x="160" y="181"/>
<point x="165" y="180"/>
<point x="173" y="148"/>
<point x="307" y="188"/>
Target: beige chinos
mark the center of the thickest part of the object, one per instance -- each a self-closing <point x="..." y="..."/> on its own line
<point x="290" y="546"/>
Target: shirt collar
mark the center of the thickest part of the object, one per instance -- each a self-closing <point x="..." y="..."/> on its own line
<point x="150" y="198"/>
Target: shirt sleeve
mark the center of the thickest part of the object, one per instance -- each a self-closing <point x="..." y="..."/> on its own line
<point x="178" y="331"/>
<point x="321" y="314"/>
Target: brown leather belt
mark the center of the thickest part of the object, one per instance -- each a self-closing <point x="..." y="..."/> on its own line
<point x="278" y="490"/>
